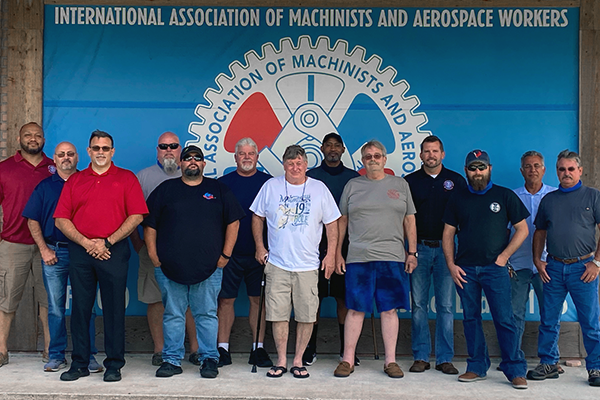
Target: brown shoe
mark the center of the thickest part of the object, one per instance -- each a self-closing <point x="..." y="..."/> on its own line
<point x="420" y="366"/>
<point x="393" y="370"/>
<point x="3" y="359"/>
<point x="470" y="377"/>
<point x="447" y="368"/>
<point x="519" y="383"/>
<point x="343" y="370"/>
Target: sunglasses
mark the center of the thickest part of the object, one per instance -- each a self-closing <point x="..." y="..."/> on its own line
<point x="570" y="169"/>
<point x="480" y="167"/>
<point x="373" y="156"/>
<point x="195" y="158"/>
<point x="68" y="153"/>
<point x="105" y="149"/>
<point x="172" y="146"/>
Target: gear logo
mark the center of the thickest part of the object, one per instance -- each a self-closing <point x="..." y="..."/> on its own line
<point x="297" y="95"/>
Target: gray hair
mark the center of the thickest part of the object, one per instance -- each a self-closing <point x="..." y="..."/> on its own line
<point x="373" y="143"/>
<point x="531" y="153"/>
<point x="570" y="155"/>
<point x="294" y="151"/>
<point x="246" y="142"/>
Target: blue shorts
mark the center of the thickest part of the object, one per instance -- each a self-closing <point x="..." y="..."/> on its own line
<point x="238" y="268"/>
<point x="384" y="281"/>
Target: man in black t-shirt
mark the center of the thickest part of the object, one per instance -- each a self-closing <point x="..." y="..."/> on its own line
<point x="480" y="214"/>
<point x="190" y="233"/>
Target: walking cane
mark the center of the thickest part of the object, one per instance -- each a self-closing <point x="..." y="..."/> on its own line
<point x="260" y="306"/>
<point x="374" y="336"/>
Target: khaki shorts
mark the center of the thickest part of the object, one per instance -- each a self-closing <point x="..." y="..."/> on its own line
<point x="16" y="261"/>
<point x="148" y="290"/>
<point x="285" y="289"/>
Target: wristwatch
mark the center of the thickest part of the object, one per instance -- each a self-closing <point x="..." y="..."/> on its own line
<point x="410" y="253"/>
<point x="596" y="262"/>
<point x="107" y="244"/>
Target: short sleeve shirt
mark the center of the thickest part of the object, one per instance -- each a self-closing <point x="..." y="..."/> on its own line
<point x="376" y="211"/>
<point x="99" y="204"/>
<point x="153" y="176"/>
<point x="41" y="206"/>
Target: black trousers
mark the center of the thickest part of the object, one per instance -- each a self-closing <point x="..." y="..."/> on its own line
<point x="85" y="273"/>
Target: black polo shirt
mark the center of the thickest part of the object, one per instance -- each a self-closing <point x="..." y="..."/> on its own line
<point x="430" y="196"/>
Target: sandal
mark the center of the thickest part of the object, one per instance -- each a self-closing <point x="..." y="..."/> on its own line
<point x="297" y="372"/>
<point x="274" y="371"/>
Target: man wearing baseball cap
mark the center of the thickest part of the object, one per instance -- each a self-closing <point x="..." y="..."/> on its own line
<point x="190" y="234"/>
<point x="479" y="215"/>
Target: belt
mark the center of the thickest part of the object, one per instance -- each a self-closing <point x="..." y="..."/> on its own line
<point x="430" y="243"/>
<point x="570" y="260"/>
<point x="56" y="244"/>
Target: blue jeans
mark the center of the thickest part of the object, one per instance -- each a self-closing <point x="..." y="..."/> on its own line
<point x="565" y="278"/>
<point x="202" y="300"/>
<point x="495" y="282"/>
<point x="432" y="263"/>
<point x="55" y="279"/>
<point x="521" y="284"/>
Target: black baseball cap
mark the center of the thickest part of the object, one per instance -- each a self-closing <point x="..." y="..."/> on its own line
<point x="189" y="150"/>
<point x="477" y="156"/>
<point x="333" y="135"/>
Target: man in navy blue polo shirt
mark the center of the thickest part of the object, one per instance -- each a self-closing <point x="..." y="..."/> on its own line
<point x="431" y="188"/>
<point x="53" y="245"/>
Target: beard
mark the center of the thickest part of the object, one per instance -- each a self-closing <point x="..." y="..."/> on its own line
<point x="192" y="173"/>
<point x="67" y="166"/>
<point x="333" y="158"/>
<point x="169" y="165"/>
<point x="29" y="150"/>
<point x="247" y="166"/>
<point x="479" y="184"/>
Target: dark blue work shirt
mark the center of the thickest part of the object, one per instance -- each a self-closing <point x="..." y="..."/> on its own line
<point x="41" y="205"/>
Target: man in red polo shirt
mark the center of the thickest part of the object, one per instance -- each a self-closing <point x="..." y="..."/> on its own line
<point x="98" y="208"/>
<point x="19" y="255"/>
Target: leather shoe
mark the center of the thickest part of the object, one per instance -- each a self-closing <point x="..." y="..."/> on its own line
<point x="112" y="375"/>
<point x="420" y="366"/>
<point x="446" y="368"/>
<point x="74" y="373"/>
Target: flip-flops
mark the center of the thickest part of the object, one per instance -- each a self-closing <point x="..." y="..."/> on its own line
<point x="273" y="372"/>
<point x="297" y="372"/>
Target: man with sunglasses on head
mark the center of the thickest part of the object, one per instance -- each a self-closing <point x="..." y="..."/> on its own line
<point x="566" y="223"/>
<point x="54" y="249"/>
<point x="479" y="215"/>
<point x="98" y="208"/>
<point x="190" y="233"/>
<point x="167" y="166"/>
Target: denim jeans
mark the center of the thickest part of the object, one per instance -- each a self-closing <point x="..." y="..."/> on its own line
<point x="566" y="278"/>
<point x="495" y="282"/>
<point x="432" y="263"/>
<point x="55" y="279"/>
<point x="202" y="300"/>
<point x="521" y="284"/>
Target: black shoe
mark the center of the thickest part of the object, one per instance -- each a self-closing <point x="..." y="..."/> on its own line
<point x="261" y="357"/>
<point x="209" y="368"/>
<point x="74" y="373"/>
<point x="112" y="375"/>
<point x="309" y="357"/>
<point x="167" y="370"/>
<point x="543" y="371"/>
<point x="224" y="357"/>
<point x="194" y="358"/>
<point x="594" y="377"/>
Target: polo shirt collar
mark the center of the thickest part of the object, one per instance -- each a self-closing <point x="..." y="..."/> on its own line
<point x="426" y="174"/>
<point x="111" y="171"/>
<point x="45" y="160"/>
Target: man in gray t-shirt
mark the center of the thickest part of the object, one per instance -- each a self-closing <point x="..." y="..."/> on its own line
<point x="378" y="210"/>
<point x="566" y="222"/>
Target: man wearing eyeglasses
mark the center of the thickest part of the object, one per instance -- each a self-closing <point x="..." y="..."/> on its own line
<point x="190" y="234"/>
<point x="167" y="166"/>
<point x="479" y="216"/>
<point x="19" y="256"/>
<point x="566" y="223"/>
<point x="54" y="249"/>
<point x="98" y="208"/>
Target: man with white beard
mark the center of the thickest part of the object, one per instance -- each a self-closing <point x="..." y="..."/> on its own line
<point x="167" y="164"/>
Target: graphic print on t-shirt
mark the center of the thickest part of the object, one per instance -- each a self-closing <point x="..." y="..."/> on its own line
<point x="293" y="212"/>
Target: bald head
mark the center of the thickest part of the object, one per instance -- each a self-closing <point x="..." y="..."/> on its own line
<point x="65" y="158"/>
<point x="168" y="156"/>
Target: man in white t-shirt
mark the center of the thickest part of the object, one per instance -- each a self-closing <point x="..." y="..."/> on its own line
<point x="295" y="207"/>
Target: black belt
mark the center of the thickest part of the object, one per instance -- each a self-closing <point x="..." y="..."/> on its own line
<point x="56" y="244"/>
<point x="571" y="260"/>
<point x="431" y="243"/>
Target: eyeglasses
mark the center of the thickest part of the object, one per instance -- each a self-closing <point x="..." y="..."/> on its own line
<point x="376" y="156"/>
<point x="195" y="158"/>
<point x="105" y="149"/>
<point x="570" y="169"/>
<point x="68" y="153"/>
<point x="172" y="146"/>
<point x="480" y="167"/>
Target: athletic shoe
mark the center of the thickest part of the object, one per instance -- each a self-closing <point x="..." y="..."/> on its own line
<point x="55" y="365"/>
<point x="194" y="358"/>
<point x="112" y="375"/>
<point x="261" y="357"/>
<point x="157" y="359"/>
<point x="224" y="357"/>
<point x="167" y="370"/>
<point x="470" y="377"/>
<point x="94" y="367"/>
<point x="519" y="383"/>
<point x="74" y="373"/>
<point x="543" y="371"/>
<point x="209" y="368"/>
<point x="594" y="377"/>
<point x="309" y="357"/>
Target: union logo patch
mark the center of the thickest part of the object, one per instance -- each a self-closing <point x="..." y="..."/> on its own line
<point x="448" y="185"/>
<point x="495" y="207"/>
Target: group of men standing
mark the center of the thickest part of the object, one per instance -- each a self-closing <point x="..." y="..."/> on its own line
<point x="375" y="238"/>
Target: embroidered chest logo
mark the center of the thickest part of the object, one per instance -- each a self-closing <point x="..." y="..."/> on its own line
<point x="393" y="194"/>
<point x="209" y="196"/>
<point x="495" y="207"/>
<point x="448" y="185"/>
